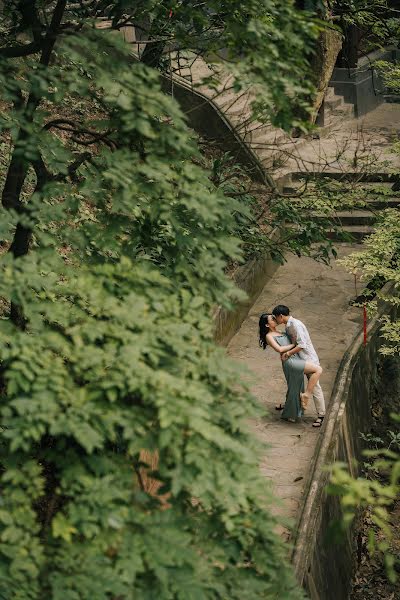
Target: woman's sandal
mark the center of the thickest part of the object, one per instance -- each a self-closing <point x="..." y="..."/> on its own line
<point x="279" y="406"/>
<point x="304" y="400"/>
<point x="318" y="422"/>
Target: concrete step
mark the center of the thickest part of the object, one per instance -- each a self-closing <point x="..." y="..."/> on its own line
<point x="354" y="233"/>
<point x="265" y="134"/>
<point x="332" y="103"/>
<point x="350" y="217"/>
<point x="382" y="203"/>
<point x="372" y="188"/>
<point x="191" y="67"/>
<point x="335" y="108"/>
<point x="372" y="200"/>
<point x="241" y="123"/>
<point x="392" y="98"/>
<point x="268" y="145"/>
<point x="344" y="110"/>
<point x="257" y="129"/>
<point x="233" y="104"/>
<point x="330" y="96"/>
<point x="271" y="158"/>
<point x="378" y="203"/>
<point x="330" y="93"/>
<point x="240" y="115"/>
<point x="338" y="115"/>
<point x="228" y="97"/>
<point x="227" y="93"/>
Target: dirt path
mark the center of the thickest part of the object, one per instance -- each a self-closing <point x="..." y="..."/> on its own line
<point x="318" y="295"/>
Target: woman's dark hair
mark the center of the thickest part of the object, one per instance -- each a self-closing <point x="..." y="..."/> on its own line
<point x="263" y="329"/>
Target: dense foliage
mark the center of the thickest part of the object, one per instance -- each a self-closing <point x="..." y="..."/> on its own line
<point x="374" y="496"/>
<point x="377" y="22"/>
<point x="114" y="244"/>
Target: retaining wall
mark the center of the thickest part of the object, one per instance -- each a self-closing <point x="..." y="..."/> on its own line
<point x="204" y="116"/>
<point x="323" y="567"/>
<point x="363" y="86"/>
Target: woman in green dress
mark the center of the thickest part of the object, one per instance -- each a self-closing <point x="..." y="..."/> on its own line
<point x="294" y="368"/>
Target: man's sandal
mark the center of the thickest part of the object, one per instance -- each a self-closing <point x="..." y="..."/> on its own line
<point x="279" y="406"/>
<point x="318" y="422"/>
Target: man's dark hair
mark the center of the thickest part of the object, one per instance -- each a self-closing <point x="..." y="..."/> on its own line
<point x="281" y="309"/>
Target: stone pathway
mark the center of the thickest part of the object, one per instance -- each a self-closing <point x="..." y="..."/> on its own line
<point x="364" y="144"/>
<point x="319" y="295"/>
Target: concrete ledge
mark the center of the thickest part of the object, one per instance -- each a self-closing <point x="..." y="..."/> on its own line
<point x="250" y="278"/>
<point x="321" y="567"/>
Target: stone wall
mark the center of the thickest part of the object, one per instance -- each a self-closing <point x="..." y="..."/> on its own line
<point x="362" y="86"/>
<point x="323" y="567"/>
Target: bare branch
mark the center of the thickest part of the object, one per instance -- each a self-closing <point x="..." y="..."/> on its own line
<point x="74" y="166"/>
<point x="43" y="175"/>
<point x="77" y="132"/>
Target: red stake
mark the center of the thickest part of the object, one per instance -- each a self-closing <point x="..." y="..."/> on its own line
<point x="170" y="14"/>
<point x="365" y="325"/>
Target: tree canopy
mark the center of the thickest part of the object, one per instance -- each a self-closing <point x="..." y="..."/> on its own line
<point x="114" y="243"/>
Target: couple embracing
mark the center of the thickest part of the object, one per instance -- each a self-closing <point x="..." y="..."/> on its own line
<point x="298" y="359"/>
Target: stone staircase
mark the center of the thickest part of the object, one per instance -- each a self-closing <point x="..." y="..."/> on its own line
<point x="352" y="221"/>
<point x="354" y="218"/>
<point x="363" y="197"/>
<point x="335" y="110"/>
<point x="272" y="146"/>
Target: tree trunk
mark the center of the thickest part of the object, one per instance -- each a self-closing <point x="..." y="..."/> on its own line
<point x="323" y="63"/>
<point x="18" y="168"/>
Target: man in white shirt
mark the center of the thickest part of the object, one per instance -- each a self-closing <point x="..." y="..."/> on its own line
<point x="298" y="333"/>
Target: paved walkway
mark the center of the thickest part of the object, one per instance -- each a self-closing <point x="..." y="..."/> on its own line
<point x="364" y="144"/>
<point x="319" y="295"/>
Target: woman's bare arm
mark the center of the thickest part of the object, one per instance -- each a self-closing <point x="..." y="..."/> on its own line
<point x="281" y="349"/>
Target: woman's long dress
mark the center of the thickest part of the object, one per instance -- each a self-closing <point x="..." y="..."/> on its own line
<point x="293" y="369"/>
